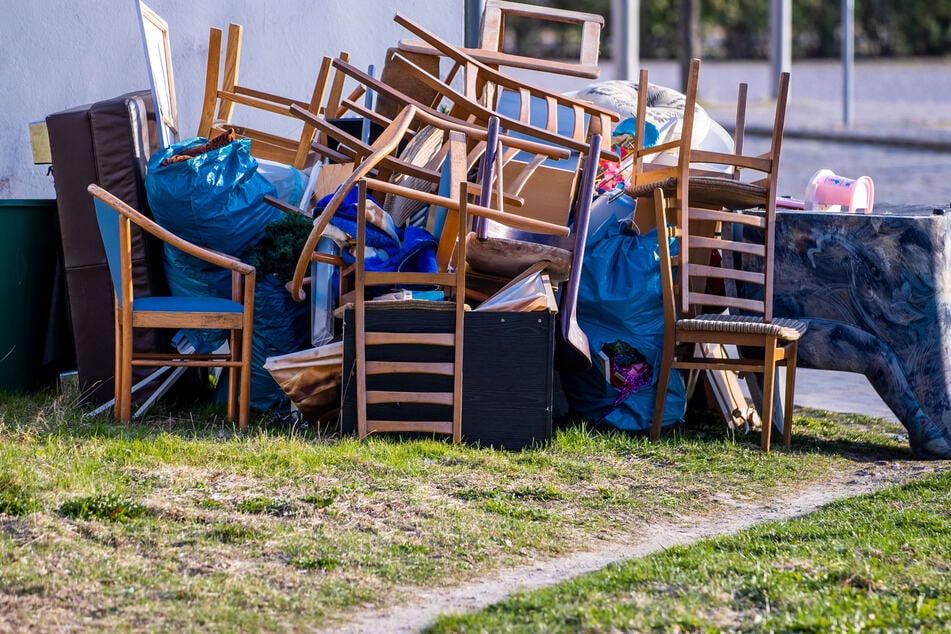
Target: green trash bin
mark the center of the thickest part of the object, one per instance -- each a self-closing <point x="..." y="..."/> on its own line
<point x="29" y="247"/>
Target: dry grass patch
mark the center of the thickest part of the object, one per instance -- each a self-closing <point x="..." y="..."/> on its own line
<point x="280" y="529"/>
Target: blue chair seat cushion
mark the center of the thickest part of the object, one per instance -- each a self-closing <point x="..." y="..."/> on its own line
<point x="187" y="305"/>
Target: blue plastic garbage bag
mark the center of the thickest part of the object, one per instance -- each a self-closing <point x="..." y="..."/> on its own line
<point x="620" y="300"/>
<point x="396" y="249"/>
<point x="215" y="199"/>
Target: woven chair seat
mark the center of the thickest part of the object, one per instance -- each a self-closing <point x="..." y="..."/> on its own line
<point x="705" y="190"/>
<point x="782" y="329"/>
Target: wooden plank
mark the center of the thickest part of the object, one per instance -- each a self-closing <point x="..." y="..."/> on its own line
<point x="408" y="367"/>
<point x="375" y="397"/>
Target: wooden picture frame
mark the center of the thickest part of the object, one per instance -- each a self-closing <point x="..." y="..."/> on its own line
<point x="158" y="55"/>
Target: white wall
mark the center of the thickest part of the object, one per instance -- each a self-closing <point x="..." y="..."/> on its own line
<point x="57" y="54"/>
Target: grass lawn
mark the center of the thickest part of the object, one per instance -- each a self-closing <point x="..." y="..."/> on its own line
<point x="181" y="522"/>
<point x="875" y="563"/>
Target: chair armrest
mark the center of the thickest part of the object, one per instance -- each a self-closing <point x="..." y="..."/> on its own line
<point x="147" y="224"/>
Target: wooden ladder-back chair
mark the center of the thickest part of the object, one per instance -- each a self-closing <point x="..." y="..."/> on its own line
<point x="235" y="315"/>
<point x="453" y="283"/>
<point x="685" y="207"/>
<point x="450" y="277"/>
<point x="523" y="109"/>
<point x="223" y="92"/>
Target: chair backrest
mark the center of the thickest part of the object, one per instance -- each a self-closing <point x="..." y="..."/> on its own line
<point x="114" y="229"/>
<point x="118" y="224"/>
<point x="712" y="218"/>
<point x="492" y="38"/>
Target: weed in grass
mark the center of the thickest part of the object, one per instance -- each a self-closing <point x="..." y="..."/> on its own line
<point x="16" y="499"/>
<point x="229" y="533"/>
<point x="268" y="506"/>
<point x="324" y="499"/>
<point x="305" y="562"/>
<point x="12" y="503"/>
<point x="107" y="506"/>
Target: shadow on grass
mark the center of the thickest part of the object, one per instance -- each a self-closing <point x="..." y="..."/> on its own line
<point x="856" y="437"/>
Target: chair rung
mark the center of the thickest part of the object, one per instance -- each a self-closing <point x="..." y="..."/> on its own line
<point x="735" y="365"/>
<point x="376" y="397"/>
<point x="409" y="367"/>
<point x="423" y="338"/>
<point x="433" y="427"/>
<point x="171" y="355"/>
<point x="157" y="363"/>
<point x="388" y="277"/>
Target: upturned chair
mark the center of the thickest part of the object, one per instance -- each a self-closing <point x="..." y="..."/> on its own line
<point x="223" y="92"/>
<point x="497" y="13"/>
<point x="382" y="152"/>
<point x="685" y="209"/>
<point x="236" y="315"/>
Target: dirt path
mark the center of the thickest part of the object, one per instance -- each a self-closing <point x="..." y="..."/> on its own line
<point x="431" y="602"/>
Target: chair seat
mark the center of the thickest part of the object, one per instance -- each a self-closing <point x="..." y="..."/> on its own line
<point x="726" y="192"/>
<point x="186" y="305"/>
<point x="782" y="329"/>
<point x="503" y="256"/>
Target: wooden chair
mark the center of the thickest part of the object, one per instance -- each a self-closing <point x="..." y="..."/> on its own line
<point x="683" y="205"/>
<point x="223" y="93"/>
<point x="235" y="315"/>
<point x="492" y="38"/>
<point x="523" y="109"/>
<point x="450" y="277"/>
<point x="452" y="281"/>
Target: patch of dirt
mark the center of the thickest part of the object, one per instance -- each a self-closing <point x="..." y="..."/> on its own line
<point x="429" y="603"/>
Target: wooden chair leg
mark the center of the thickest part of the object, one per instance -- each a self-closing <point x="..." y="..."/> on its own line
<point x="244" y="394"/>
<point x="125" y="413"/>
<point x="233" y="376"/>
<point x="769" y="380"/>
<point x="117" y="368"/>
<point x="212" y="70"/>
<point x="663" y="379"/>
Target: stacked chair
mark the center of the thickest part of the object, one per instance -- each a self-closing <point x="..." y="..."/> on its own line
<point x="699" y="212"/>
<point x="506" y="172"/>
